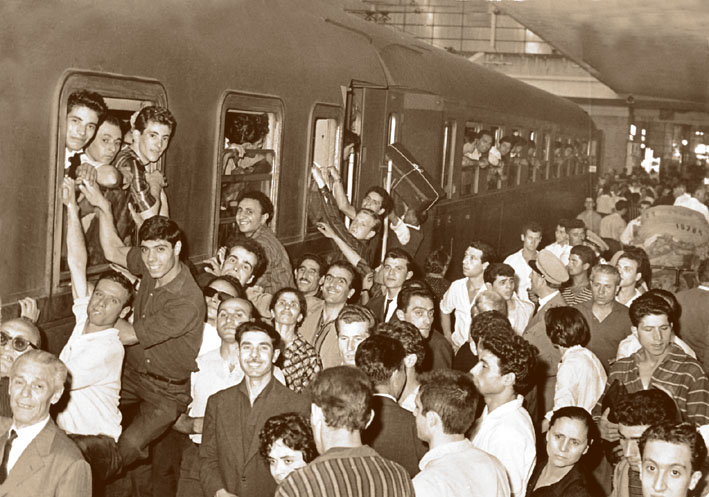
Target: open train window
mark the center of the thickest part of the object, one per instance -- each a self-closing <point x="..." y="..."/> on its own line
<point x="324" y="153"/>
<point x="248" y="158"/>
<point x="469" y="170"/>
<point x="449" y="132"/>
<point x="97" y="145"/>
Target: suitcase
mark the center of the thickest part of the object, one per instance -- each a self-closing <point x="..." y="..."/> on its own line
<point x="410" y="181"/>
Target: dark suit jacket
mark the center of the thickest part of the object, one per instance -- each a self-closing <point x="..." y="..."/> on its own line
<point x="393" y="434"/>
<point x="227" y="459"/>
<point x="50" y="466"/>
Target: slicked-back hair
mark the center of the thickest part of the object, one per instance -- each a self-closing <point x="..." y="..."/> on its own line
<point x="119" y="278"/>
<point x="380" y="357"/>
<point x="641" y="260"/>
<point x="489" y="322"/>
<point x="57" y="369"/>
<point x="408" y="292"/>
<point x="579" y="414"/>
<point x="227" y="278"/>
<point x="488" y="253"/>
<point x="356" y="284"/>
<point x="90" y="100"/>
<point x="298" y="294"/>
<point x="316" y="259"/>
<point x="490" y="300"/>
<point x="257" y="326"/>
<point x="158" y="228"/>
<point x="293" y="430"/>
<point x="497" y="269"/>
<point x="399" y="253"/>
<point x="649" y="305"/>
<point x="261" y="198"/>
<point x="387" y="202"/>
<point x="605" y="269"/>
<point x="515" y="354"/>
<point x="567" y="327"/>
<point x="452" y="395"/>
<point x="251" y="245"/>
<point x="673" y="302"/>
<point x="647" y="407"/>
<point x="344" y="393"/>
<point x="409" y="336"/>
<point x="110" y="118"/>
<point x="586" y="254"/>
<point x="159" y="115"/>
<point x="678" y="434"/>
<point x="355" y="313"/>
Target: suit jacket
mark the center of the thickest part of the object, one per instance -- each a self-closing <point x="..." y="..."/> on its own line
<point x="227" y="459"/>
<point x="393" y="434"/>
<point x="51" y="466"/>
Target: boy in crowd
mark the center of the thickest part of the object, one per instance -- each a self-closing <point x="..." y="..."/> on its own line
<point x="531" y="238"/>
<point x="501" y="278"/>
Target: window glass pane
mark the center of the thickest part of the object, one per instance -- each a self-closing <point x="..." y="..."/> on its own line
<point x="325" y="136"/>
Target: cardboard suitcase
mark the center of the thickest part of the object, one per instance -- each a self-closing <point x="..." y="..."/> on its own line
<point x="410" y="181"/>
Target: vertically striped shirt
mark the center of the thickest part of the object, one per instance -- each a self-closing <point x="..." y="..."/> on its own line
<point x="348" y="472"/>
<point x="678" y="375"/>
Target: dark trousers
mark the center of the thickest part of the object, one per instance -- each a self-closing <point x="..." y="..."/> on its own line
<point x="159" y="405"/>
<point x="189" y="484"/>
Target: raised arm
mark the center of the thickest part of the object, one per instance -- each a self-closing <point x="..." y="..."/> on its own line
<point x="113" y="248"/>
<point x="75" y="244"/>
<point x="338" y="190"/>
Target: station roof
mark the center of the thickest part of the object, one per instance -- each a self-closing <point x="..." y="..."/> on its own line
<point x="650" y="49"/>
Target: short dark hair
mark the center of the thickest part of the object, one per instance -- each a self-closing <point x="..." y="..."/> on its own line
<point x="586" y="254"/>
<point x="409" y="336"/>
<point x="488" y="253"/>
<point x="516" y="355"/>
<point x="487" y="132"/>
<point x="251" y="245"/>
<point x="380" y="356"/>
<point x="252" y="311"/>
<point x="409" y="292"/>
<point x="241" y="127"/>
<point x="111" y="118"/>
<point x="673" y="302"/>
<point x="649" y="305"/>
<point x="295" y="432"/>
<point x="575" y="224"/>
<point x="355" y="313"/>
<point x="436" y="261"/>
<point x="679" y="434"/>
<point x="497" y="269"/>
<point x="356" y="279"/>
<point x="119" y="278"/>
<point x="298" y="294"/>
<point x="344" y="393"/>
<point x="387" y="203"/>
<point x="580" y="414"/>
<point x="315" y="258"/>
<point x="240" y="293"/>
<point x="489" y="322"/>
<point x="641" y="260"/>
<point x="160" y="228"/>
<point x="261" y="198"/>
<point x="532" y="226"/>
<point x="258" y="327"/>
<point x="646" y="407"/>
<point x="452" y="395"/>
<point x="621" y="204"/>
<point x="88" y="99"/>
<point x="155" y="114"/>
<point x="567" y="327"/>
<point x="399" y="253"/>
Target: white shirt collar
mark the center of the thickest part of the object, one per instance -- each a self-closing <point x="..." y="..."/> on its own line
<point x="546" y="299"/>
<point x="444" y="450"/>
<point x="504" y="409"/>
<point x="31" y="431"/>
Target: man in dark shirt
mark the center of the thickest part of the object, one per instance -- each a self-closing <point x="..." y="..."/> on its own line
<point x="169" y="312"/>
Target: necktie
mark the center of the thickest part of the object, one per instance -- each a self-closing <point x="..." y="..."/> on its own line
<point x="75" y="162"/>
<point x="386" y="310"/>
<point x="6" y="455"/>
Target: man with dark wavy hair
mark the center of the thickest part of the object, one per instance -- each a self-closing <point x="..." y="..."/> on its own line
<point x="341" y="408"/>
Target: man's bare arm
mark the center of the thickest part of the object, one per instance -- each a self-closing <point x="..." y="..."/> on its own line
<point x="113" y="248"/>
<point x="338" y="191"/>
<point x="77" y="257"/>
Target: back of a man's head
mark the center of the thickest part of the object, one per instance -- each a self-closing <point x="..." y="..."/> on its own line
<point x="380" y="357"/>
<point x="452" y="395"/>
<point x="646" y="407"/>
<point x="344" y="394"/>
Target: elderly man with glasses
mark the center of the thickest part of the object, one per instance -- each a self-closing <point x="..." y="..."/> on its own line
<point x="17" y="336"/>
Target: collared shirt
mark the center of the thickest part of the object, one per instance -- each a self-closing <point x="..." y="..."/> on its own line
<point x="524" y="273"/>
<point x="321" y="335"/>
<point x="168" y="322"/>
<point x="630" y="345"/>
<point x="636" y="294"/>
<point x="391" y="308"/>
<point x="508" y="434"/>
<point x="544" y="300"/>
<point x="612" y="226"/>
<point x="24" y="439"/>
<point x="561" y="251"/>
<point x="519" y="313"/>
<point x="678" y="375"/>
<point x="409" y="403"/>
<point x="279" y="272"/>
<point x="95" y="361"/>
<point x="300" y="364"/>
<point x="348" y="472"/>
<point x="606" y="335"/>
<point x="459" y="469"/>
<point x="456" y="299"/>
<point x="580" y="380"/>
<point x="210" y="339"/>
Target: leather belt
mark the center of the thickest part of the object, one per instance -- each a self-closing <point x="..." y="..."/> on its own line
<point x="169" y="381"/>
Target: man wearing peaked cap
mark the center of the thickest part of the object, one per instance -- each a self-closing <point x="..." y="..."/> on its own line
<point x="551" y="268"/>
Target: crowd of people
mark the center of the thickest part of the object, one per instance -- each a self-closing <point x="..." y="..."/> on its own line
<point x="559" y="371"/>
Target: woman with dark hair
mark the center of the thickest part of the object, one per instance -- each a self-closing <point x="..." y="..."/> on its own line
<point x="286" y="443"/>
<point x="571" y="433"/>
<point x="580" y="379"/>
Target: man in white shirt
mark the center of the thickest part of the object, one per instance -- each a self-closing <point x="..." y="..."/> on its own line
<point x="453" y="467"/>
<point x="531" y="238"/>
<point x="505" y="429"/>
<point x="695" y="201"/>
<point x="560" y="247"/>
<point x="462" y="293"/>
<point x="613" y="225"/>
<point x="501" y="278"/>
<point x="38" y="458"/>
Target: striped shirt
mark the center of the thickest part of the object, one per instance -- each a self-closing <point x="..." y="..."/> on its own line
<point x="678" y="375"/>
<point x="348" y="472"/>
<point x="576" y="296"/>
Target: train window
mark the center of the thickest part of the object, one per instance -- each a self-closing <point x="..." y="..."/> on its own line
<point x="248" y="157"/>
<point x="531" y="160"/>
<point x="77" y="146"/>
<point x="449" y="131"/>
<point x="324" y="153"/>
<point x="469" y="170"/>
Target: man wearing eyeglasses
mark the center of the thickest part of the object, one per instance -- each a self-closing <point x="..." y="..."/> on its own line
<point x="17" y="336"/>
